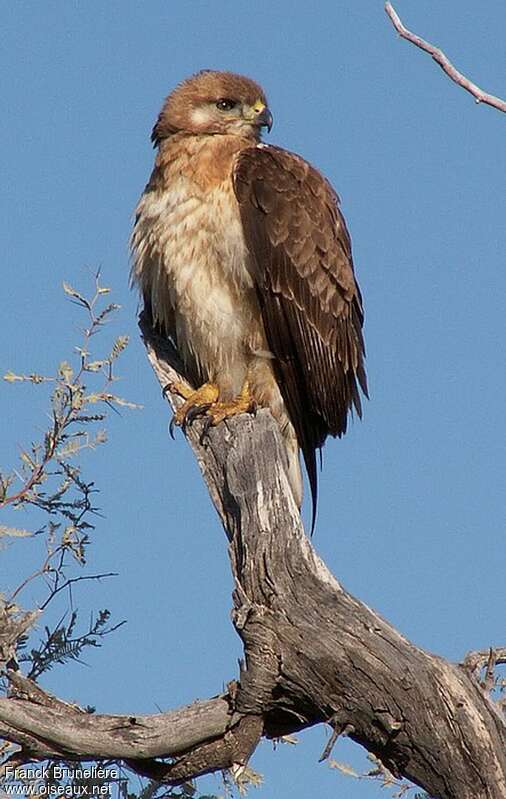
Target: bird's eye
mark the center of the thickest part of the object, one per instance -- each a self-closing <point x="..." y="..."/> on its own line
<point x="225" y="104"/>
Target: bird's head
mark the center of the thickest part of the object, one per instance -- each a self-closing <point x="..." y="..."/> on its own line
<point x="214" y="103"/>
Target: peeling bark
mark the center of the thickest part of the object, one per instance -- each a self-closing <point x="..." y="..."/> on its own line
<point x="312" y="653"/>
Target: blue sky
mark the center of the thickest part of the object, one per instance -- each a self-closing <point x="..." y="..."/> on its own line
<point x="412" y="501"/>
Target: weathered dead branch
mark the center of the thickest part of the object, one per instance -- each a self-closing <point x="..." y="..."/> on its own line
<point x="312" y="654"/>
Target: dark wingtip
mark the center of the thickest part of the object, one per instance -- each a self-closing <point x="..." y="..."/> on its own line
<point x="313" y="513"/>
<point x="312" y="476"/>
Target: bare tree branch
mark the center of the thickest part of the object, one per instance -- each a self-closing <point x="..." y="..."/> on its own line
<point x="474" y="662"/>
<point x="446" y="65"/>
<point x="312" y="653"/>
<point x="73" y="580"/>
<point x="49" y="727"/>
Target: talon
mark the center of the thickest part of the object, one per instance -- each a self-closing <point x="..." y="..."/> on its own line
<point x="172" y="424"/>
<point x="193" y="413"/>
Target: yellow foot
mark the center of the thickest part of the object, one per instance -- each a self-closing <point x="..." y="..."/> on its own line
<point x="196" y="403"/>
<point x="219" y="411"/>
<point x="177" y="387"/>
<point x="183" y="389"/>
<point x="203" y="402"/>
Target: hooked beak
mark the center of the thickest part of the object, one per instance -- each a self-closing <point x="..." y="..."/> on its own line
<point x="264" y="119"/>
<point x="259" y="115"/>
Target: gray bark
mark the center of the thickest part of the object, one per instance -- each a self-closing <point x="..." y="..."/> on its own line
<point x="312" y="653"/>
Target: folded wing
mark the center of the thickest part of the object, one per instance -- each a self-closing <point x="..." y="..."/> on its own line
<point x="311" y="304"/>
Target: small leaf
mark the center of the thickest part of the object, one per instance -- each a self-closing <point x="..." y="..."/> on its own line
<point x="12" y="378"/>
<point x="119" y="345"/>
<point x="15" y="532"/>
<point x="67" y="288"/>
<point x="5" y="481"/>
<point x="289" y="739"/>
<point x="26" y="459"/>
<point x="77" y="400"/>
<point x="32" y="378"/>
<point x="101" y="437"/>
<point x="66" y="372"/>
<point x="35" y="378"/>
<point x="69" y="449"/>
<point x="125" y="403"/>
<point x="103" y="290"/>
<point x="111" y="398"/>
<point x="94" y="366"/>
<point x="344" y="768"/>
<point x="103" y="314"/>
<point x="71" y="292"/>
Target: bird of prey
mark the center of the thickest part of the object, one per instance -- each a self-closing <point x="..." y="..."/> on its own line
<point x="243" y="258"/>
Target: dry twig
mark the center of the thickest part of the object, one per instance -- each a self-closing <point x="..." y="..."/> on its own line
<point x="446" y="65"/>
